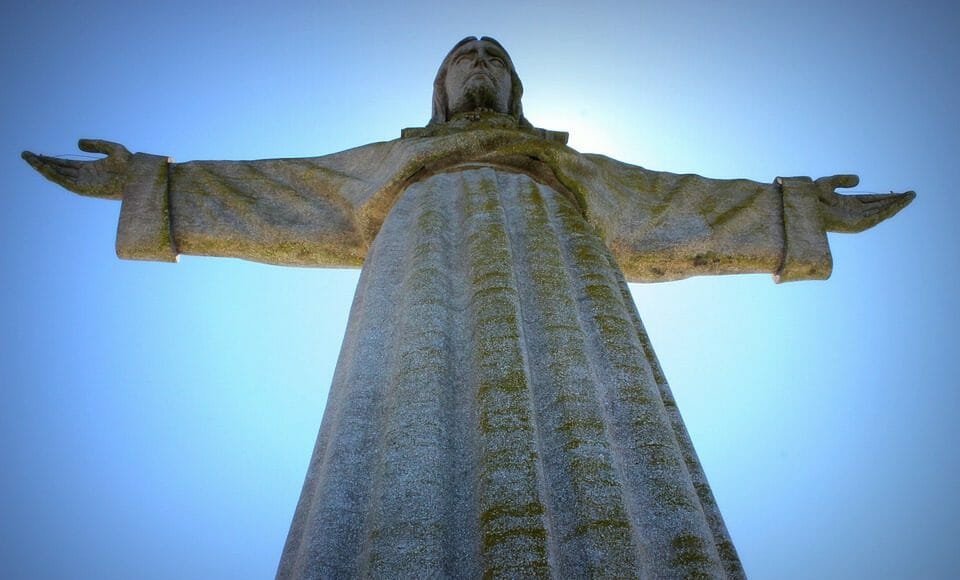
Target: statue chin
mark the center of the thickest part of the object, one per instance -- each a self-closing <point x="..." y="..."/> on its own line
<point x="479" y="97"/>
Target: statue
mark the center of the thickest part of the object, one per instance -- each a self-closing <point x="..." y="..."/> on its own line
<point x="497" y="408"/>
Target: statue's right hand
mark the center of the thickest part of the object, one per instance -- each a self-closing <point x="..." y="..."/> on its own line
<point x="102" y="178"/>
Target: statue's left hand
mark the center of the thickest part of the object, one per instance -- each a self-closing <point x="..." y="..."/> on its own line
<point x="855" y="213"/>
<point x="102" y="178"/>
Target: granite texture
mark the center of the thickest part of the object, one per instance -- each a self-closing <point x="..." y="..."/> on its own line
<point x="497" y="409"/>
<point x="326" y="211"/>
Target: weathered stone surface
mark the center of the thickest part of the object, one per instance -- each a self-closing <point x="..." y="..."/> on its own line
<point x="497" y="409"/>
<point x="326" y="211"/>
<point x="144" y="231"/>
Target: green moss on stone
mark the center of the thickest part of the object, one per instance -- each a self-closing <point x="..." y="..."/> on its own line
<point x="727" y="552"/>
<point x="516" y="511"/>
<point x="538" y="534"/>
<point x="689" y="550"/>
<point x="634" y="394"/>
<point x="619" y="526"/>
<point x="673" y="496"/>
<point x="512" y="381"/>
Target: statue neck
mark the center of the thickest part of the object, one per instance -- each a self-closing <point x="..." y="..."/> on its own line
<point x="481" y="119"/>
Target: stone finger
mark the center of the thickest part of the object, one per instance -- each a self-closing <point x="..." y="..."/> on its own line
<point x="101" y="146"/>
<point x="846" y="180"/>
<point x="840" y="180"/>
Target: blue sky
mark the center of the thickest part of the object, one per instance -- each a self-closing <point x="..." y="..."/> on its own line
<point x="156" y="420"/>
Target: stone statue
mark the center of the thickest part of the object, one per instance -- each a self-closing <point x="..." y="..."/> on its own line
<point x="497" y="409"/>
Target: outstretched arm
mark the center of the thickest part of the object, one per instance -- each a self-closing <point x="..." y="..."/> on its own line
<point x="283" y="211"/>
<point x="665" y="226"/>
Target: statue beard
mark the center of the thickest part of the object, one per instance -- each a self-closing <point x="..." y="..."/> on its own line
<point x="479" y="97"/>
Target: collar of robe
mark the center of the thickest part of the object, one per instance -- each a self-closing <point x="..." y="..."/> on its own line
<point x="481" y="119"/>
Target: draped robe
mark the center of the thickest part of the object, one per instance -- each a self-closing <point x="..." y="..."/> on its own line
<point x="497" y="409"/>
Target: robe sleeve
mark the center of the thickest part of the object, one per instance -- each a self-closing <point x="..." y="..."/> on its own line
<point x="303" y="212"/>
<point x="666" y="226"/>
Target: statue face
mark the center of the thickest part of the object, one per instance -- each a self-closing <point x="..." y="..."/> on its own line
<point x="478" y="77"/>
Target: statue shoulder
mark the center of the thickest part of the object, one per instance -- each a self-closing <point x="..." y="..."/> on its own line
<point x="356" y="161"/>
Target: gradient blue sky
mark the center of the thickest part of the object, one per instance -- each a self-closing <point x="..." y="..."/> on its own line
<point x="156" y="420"/>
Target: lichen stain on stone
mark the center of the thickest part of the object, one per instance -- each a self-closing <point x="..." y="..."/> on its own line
<point x="634" y="394"/>
<point x="499" y="511"/>
<point x="596" y="470"/>
<point x="422" y="277"/>
<point x="703" y="491"/>
<point x="689" y="551"/>
<point x="431" y="222"/>
<point x="424" y="251"/>
<point x="587" y="424"/>
<point x="485" y="291"/>
<point x="673" y="496"/>
<point x="499" y="480"/>
<point x="613" y="327"/>
<point x="508" y="416"/>
<point x="609" y="528"/>
<point x="601" y="293"/>
<point x="728" y="553"/>
<point x="492" y="538"/>
<point x="536" y="569"/>
<point x="512" y="381"/>
<point x="581" y="430"/>
<point x="496" y="277"/>
<point x="561" y="328"/>
<point x="411" y="373"/>
<point x="505" y="422"/>
<point x="567" y="398"/>
<point x="507" y="456"/>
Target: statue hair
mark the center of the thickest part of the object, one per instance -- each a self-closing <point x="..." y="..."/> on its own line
<point x="440" y="112"/>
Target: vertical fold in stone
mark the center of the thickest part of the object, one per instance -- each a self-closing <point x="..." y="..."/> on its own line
<point x="513" y="533"/>
<point x="497" y="410"/>
<point x="327" y="531"/>
<point x="408" y="521"/>
<point x="585" y="499"/>
<point x="654" y="462"/>
<point x="708" y="504"/>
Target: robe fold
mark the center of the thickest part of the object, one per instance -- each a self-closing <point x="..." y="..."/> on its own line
<point x="497" y="409"/>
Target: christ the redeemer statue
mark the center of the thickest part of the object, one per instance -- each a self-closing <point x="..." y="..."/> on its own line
<point x="497" y="409"/>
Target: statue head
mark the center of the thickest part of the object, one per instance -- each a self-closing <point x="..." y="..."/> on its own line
<point x="477" y="74"/>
